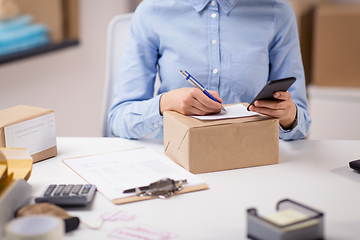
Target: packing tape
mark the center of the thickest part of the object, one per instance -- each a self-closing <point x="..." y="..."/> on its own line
<point x="39" y="227"/>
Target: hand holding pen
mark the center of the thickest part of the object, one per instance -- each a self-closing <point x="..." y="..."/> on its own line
<point x="198" y="85"/>
<point x="190" y="101"/>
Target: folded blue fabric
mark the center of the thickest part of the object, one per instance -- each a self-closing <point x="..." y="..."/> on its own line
<point x="35" y="41"/>
<point x="15" y="23"/>
<point x="19" y="34"/>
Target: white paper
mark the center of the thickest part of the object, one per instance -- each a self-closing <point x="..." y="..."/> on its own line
<point x="112" y="173"/>
<point x="233" y="111"/>
<point x="36" y="135"/>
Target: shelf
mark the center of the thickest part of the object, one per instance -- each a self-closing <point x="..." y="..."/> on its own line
<point x="37" y="51"/>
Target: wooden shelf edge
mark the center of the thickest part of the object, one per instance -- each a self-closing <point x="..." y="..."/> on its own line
<point x="37" y="51"/>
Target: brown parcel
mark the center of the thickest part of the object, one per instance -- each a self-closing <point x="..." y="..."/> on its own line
<point x="336" y="53"/>
<point x="49" y="12"/>
<point x="19" y="114"/>
<point x="207" y="146"/>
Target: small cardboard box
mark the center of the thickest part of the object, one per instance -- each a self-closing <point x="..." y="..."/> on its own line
<point x="305" y="11"/>
<point x="207" y="146"/>
<point x="49" y="12"/>
<point x="336" y="52"/>
<point x="29" y="127"/>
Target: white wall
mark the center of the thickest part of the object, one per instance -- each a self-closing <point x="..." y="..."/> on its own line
<point x="69" y="81"/>
<point x="335" y="113"/>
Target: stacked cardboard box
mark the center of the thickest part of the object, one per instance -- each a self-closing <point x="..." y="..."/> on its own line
<point x="29" y="127"/>
<point x="336" y="54"/>
<point x="61" y="16"/>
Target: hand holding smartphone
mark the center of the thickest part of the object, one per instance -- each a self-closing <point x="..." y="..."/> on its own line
<point x="267" y="93"/>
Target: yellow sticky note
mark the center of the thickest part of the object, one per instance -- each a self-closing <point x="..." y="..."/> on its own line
<point x="290" y="216"/>
<point x="285" y="217"/>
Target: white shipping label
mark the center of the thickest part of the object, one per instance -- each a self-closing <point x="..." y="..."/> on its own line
<point x="36" y="135"/>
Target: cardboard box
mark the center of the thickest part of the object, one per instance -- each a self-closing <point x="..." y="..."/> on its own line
<point x="207" y="146"/>
<point x="336" y="58"/>
<point x="305" y="12"/>
<point x="71" y="19"/>
<point x="49" y="12"/>
<point x="29" y="127"/>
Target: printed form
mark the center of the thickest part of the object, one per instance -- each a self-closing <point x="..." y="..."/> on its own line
<point x="36" y="135"/>
<point x="233" y="111"/>
<point x="112" y="173"/>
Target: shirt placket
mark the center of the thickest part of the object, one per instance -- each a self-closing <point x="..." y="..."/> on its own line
<point x="214" y="38"/>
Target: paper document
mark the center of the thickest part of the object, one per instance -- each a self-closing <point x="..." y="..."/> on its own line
<point x="112" y="173"/>
<point x="233" y="111"/>
<point x="36" y="135"/>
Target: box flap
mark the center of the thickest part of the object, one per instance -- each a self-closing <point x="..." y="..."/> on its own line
<point x="180" y="131"/>
<point x="21" y="113"/>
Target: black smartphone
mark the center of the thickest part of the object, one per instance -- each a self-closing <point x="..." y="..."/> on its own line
<point x="279" y="85"/>
<point x="355" y="165"/>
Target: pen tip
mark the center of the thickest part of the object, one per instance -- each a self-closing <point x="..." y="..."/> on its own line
<point x="183" y="73"/>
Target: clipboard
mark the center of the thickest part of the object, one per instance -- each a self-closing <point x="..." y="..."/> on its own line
<point x="108" y="171"/>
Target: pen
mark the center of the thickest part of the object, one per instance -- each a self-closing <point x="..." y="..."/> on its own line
<point x="198" y="85"/>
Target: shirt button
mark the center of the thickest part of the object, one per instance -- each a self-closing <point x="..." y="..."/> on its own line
<point x="156" y="126"/>
<point x="215" y="71"/>
<point x="213" y="3"/>
<point x="213" y="41"/>
<point x="213" y="15"/>
<point x="160" y="123"/>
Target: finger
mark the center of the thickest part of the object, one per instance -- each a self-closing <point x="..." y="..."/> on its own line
<point x="276" y="113"/>
<point x="206" y="108"/>
<point x="216" y="95"/>
<point x="197" y="108"/>
<point x="200" y="104"/>
<point x="275" y="105"/>
<point x="200" y="112"/>
<point x="282" y="95"/>
<point x="207" y="103"/>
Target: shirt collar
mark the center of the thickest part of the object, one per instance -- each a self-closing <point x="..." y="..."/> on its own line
<point x="226" y="5"/>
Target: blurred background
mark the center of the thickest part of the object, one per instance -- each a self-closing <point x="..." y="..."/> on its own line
<point x="52" y="55"/>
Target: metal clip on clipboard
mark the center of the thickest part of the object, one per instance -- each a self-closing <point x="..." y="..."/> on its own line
<point x="163" y="188"/>
<point x="305" y="223"/>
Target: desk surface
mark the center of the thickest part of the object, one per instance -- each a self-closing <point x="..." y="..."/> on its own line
<point x="314" y="173"/>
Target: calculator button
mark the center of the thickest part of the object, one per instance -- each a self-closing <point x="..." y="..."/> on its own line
<point x="86" y="189"/>
<point x="77" y="189"/>
<point x="59" y="189"/>
<point x="49" y="190"/>
<point x="68" y="189"/>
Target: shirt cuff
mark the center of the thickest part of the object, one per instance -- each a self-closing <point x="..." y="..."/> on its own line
<point x="154" y="120"/>
<point x="294" y="124"/>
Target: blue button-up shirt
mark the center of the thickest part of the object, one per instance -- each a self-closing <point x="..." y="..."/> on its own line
<point x="230" y="46"/>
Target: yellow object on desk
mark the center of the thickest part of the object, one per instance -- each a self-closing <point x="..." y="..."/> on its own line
<point x="291" y="216"/>
<point x="15" y="169"/>
<point x="17" y="161"/>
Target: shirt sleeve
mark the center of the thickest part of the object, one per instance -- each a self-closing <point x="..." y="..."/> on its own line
<point x="285" y="61"/>
<point x="135" y="111"/>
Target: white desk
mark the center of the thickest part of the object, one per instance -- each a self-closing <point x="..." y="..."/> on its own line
<point x="314" y="173"/>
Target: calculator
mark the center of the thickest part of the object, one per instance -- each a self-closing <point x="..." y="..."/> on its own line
<point x="68" y="195"/>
